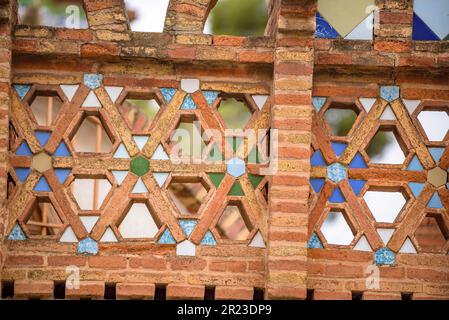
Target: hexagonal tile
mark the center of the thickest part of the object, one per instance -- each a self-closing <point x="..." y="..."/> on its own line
<point x="437" y="177"/>
<point x="336" y="172"/>
<point x="140" y="166"/>
<point x="42" y="162"/>
<point x="434" y="123"/>
<point x="190" y="85"/>
<point x="336" y="229"/>
<point x="236" y="167"/>
<point x="385" y="205"/>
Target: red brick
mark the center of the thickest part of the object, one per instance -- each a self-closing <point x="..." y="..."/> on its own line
<point x="227" y="266"/>
<point x="387" y="17"/>
<point x="107" y="262"/>
<point x="191" y="264"/>
<point x="176" y="291"/>
<point x="344" y="271"/>
<point x="24" y="261"/>
<point x="427" y="274"/>
<point x="182" y="53"/>
<point x="61" y="261"/>
<point x="229" y="41"/>
<point x="331" y="295"/>
<point x="135" y="290"/>
<point x="233" y="293"/>
<point x="256" y="56"/>
<point x="333" y="58"/>
<point x="294" y="265"/>
<point x="74" y="34"/>
<point x="148" y="263"/>
<point x="92" y="289"/>
<point x="33" y="289"/>
<point x="105" y="49"/>
<point x="391" y="46"/>
<point x="284" y="292"/>
<point x="367" y="295"/>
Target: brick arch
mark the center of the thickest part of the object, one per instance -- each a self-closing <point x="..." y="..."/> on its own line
<point x="187" y="16"/>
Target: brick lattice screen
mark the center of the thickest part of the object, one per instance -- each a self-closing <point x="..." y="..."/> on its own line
<point x="289" y="82"/>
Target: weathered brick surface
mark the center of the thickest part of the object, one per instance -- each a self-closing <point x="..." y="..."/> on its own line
<point x="290" y="65"/>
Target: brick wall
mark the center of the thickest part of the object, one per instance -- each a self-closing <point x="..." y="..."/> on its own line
<point x="289" y="65"/>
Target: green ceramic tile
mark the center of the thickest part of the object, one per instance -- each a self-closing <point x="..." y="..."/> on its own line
<point x="140" y="166"/>
<point x="216" y="178"/>
<point x="236" y="190"/>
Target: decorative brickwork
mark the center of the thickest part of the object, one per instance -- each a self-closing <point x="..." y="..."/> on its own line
<point x="258" y="221"/>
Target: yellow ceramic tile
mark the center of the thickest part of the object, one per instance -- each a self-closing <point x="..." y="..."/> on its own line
<point x="345" y="15"/>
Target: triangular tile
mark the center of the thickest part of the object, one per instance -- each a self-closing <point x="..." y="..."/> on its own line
<point x="208" y="239"/>
<point x="317" y="184"/>
<point x="337" y="196"/>
<point x="385" y="234"/>
<point x="62" y="150"/>
<point x="119" y="176"/>
<point x="421" y="32"/>
<point x="160" y="177"/>
<point x="62" y="174"/>
<point x="260" y="100"/>
<point x="324" y="29"/>
<point x="114" y="92"/>
<point x="42" y="137"/>
<point x="416" y="188"/>
<point x="318" y="102"/>
<point x="367" y="103"/>
<point x="22" y="90"/>
<point x="42" y="185"/>
<point x="415" y="165"/>
<point x="69" y="90"/>
<point x="17" y="233"/>
<point x="435" y="15"/>
<point x="257" y="241"/>
<point x="121" y="152"/>
<point x="236" y="190"/>
<point x="140" y="141"/>
<point x="168" y="94"/>
<point x="167" y="237"/>
<point x="188" y="226"/>
<point x="314" y="242"/>
<point x="210" y="97"/>
<point x="436" y="153"/>
<point x="411" y="105"/>
<point x="317" y="159"/>
<point x="435" y="202"/>
<point x="357" y="185"/>
<point x="388" y="114"/>
<point x="363" y="245"/>
<point x="160" y="154"/>
<point x="22" y="173"/>
<point x="338" y="147"/>
<point x="139" y="187"/>
<point x="89" y="222"/>
<point x="216" y="178"/>
<point x="407" y="247"/>
<point x="24" y="150"/>
<point x="108" y="236"/>
<point x="91" y="101"/>
<point x="188" y="103"/>
<point x="68" y="236"/>
<point x="364" y="31"/>
<point x="358" y="162"/>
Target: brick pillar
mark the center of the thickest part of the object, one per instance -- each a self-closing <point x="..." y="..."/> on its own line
<point x="292" y="117"/>
<point x="7" y="17"/>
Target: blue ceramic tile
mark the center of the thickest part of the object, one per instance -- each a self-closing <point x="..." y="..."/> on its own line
<point x="336" y="172"/>
<point x="318" y="102"/>
<point x="24" y="150"/>
<point x="324" y="29"/>
<point x="62" y="174"/>
<point x="22" y="90"/>
<point x="415" y="164"/>
<point x="421" y="31"/>
<point x="93" y="80"/>
<point x="188" y="103"/>
<point x="317" y="184"/>
<point x="357" y="185"/>
<point x="22" y="173"/>
<point x="167" y="237"/>
<point x="42" y="185"/>
<point x="317" y="159"/>
<point x="358" y="162"/>
<point x="187" y="226"/>
<point x="337" y="196"/>
<point x="389" y="93"/>
<point x="384" y="256"/>
<point x="62" y="150"/>
<point x="168" y="94"/>
<point x="314" y="242"/>
<point x="17" y="234"/>
<point x="208" y="239"/>
<point x="338" y="148"/>
<point x="210" y="96"/>
<point x="436" y="153"/>
<point x="88" y="246"/>
<point x="435" y="202"/>
<point x="416" y="188"/>
<point x="235" y="167"/>
<point x="43" y="137"/>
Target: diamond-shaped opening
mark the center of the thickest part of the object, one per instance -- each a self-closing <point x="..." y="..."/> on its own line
<point x="336" y="228"/>
<point x="432" y="234"/>
<point x="186" y="140"/>
<point x="341" y="117"/>
<point x="139" y="223"/>
<point x="435" y="124"/>
<point x="385" y="204"/>
<point x="53" y="13"/>
<point x="92" y="137"/>
<point x="233" y="223"/>
<point x="188" y="194"/>
<point x="235" y="113"/>
<point x="139" y="111"/>
<point x="386" y="147"/>
<point x="43" y="220"/>
<point x="45" y="108"/>
<point x="90" y="192"/>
